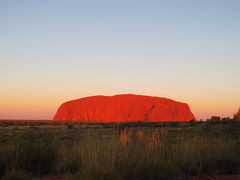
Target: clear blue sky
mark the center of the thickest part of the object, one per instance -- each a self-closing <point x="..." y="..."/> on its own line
<point x="53" y="51"/>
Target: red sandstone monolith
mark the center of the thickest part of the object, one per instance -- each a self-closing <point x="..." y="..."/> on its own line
<point x="124" y="108"/>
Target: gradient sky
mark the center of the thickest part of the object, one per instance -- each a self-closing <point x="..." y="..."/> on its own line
<point x="53" y="51"/>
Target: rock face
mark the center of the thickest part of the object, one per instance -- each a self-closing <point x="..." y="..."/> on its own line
<point x="124" y="108"/>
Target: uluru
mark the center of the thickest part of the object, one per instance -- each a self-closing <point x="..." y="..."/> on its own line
<point x="124" y="108"/>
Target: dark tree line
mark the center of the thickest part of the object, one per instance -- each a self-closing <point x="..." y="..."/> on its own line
<point x="218" y="119"/>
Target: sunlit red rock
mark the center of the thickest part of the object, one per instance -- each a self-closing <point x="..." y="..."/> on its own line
<point x="124" y="108"/>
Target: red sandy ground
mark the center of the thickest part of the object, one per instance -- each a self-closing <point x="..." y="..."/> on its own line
<point x="218" y="177"/>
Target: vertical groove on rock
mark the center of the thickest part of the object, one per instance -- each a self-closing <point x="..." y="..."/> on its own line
<point x="147" y="115"/>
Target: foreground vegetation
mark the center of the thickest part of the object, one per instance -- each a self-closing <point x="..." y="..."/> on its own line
<point x="118" y="151"/>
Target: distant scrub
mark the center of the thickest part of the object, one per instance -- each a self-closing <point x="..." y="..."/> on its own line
<point x="135" y="152"/>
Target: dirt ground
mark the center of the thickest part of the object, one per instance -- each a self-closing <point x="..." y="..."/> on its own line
<point x="55" y="177"/>
<point x="215" y="177"/>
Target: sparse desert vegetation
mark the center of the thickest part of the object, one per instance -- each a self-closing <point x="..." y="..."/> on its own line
<point x="74" y="150"/>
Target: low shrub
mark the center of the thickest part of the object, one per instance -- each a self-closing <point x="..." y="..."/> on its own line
<point x="17" y="175"/>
